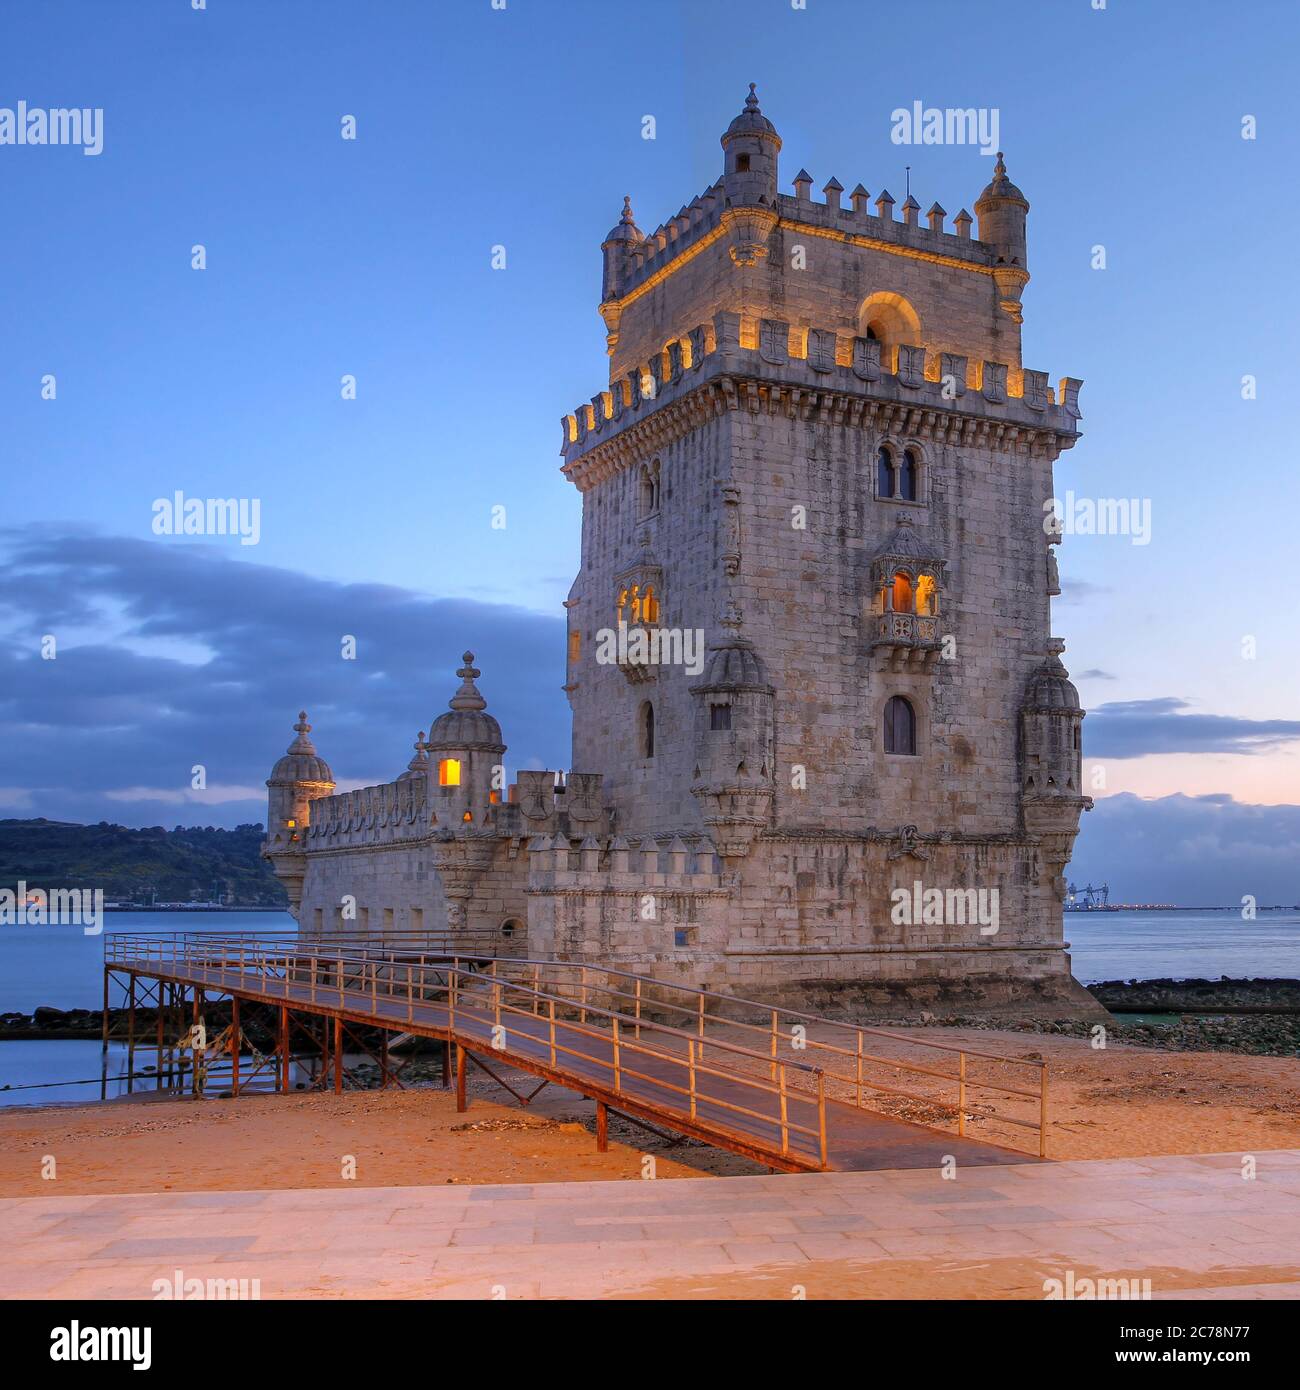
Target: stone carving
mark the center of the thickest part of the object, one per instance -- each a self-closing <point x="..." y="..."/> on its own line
<point x="774" y="342"/>
<point x="866" y="359"/>
<point x="908" y="843"/>
<point x="821" y="350"/>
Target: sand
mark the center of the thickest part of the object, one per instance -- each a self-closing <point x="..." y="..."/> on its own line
<point x="1114" y="1103"/>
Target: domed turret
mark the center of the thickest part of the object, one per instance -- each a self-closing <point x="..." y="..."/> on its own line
<point x="298" y="778"/>
<point x="1051" y="735"/>
<point x="466" y="723"/>
<point x="734" y="740"/>
<point x="301" y="762"/>
<point x="751" y="146"/>
<point x="1002" y="209"/>
<point x="617" y="248"/>
<point x="466" y="774"/>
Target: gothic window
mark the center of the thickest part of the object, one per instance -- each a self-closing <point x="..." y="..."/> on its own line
<point x="449" y="772"/>
<point x="902" y="592"/>
<point x="646" y="730"/>
<point x="907" y="475"/>
<point x="742" y="164"/>
<point x="900" y="726"/>
<point x="927" y="597"/>
<point x="719" y="717"/>
<point x="638" y="603"/>
<point x="884" y="473"/>
<point x="649" y="488"/>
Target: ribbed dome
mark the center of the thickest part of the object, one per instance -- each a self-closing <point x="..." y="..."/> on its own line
<point x="732" y="663"/>
<point x="1001" y="187"/>
<point x="626" y="228"/>
<point x="467" y="723"/>
<point x="1050" y="688"/>
<point x="301" y="763"/>
<point x="751" y="121"/>
<point x="904" y="543"/>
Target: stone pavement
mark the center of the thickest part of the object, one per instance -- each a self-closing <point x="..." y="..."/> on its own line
<point x="1192" y="1225"/>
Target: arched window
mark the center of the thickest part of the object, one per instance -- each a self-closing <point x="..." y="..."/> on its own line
<point x="649" y="605"/>
<point x="908" y="470"/>
<point x="900" y="726"/>
<point x="927" y="598"/>
<point x="884" y="473"/>
<point x="646" y="732"/>
<point x="902" y="592"/>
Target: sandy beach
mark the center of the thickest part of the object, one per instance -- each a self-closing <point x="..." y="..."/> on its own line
<point x="1120" y="1102"/>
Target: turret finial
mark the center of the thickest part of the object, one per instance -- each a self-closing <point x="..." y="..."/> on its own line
<point x="751" y="101"/>
<point x="627" y="220"/>
<point x="1000" y="167"/>
<point x="468" y="697"/>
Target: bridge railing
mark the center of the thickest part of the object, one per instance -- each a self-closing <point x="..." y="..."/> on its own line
<point x="713" y="1083"/>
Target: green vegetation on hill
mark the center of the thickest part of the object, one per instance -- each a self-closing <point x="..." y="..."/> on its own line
<point x="141" y="866"/>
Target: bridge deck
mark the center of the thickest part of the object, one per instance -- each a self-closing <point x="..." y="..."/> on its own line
<point x="775" y="1111"/>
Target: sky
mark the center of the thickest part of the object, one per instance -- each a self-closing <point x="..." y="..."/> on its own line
<point x="1158" y="243"/>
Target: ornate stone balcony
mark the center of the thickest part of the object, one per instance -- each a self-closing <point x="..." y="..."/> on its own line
<point x="907" y="638"/>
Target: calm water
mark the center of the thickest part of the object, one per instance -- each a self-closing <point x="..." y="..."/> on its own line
<point x="61" y="967"/>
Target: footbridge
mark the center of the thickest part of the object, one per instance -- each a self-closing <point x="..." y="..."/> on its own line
<point x="787" y="1089"/>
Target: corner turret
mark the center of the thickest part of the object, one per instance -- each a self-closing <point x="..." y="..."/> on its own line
<point x="298" y="778"/>
<point x="465" y="757"/>
<point x="1002" y="209"/>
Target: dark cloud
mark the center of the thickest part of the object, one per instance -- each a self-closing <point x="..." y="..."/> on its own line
<point x="1195" y="851"/>
<point x="1096" y="674"/>
<point x="1136" y="728"/>
<point x="209" y="660"/>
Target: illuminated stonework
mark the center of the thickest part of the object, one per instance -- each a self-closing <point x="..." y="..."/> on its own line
<point x="818" y="451"/>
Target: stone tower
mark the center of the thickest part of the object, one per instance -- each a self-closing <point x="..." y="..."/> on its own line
<point x="818" y="430"/>
<point x="298" y="778"/>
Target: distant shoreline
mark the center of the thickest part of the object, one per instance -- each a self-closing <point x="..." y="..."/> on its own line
<point x="193" y="907"/>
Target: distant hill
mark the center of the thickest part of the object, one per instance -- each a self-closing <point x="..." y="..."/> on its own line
<point x="180" y="865"/>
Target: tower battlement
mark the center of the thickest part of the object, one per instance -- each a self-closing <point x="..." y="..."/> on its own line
<point x="741" y="361"/>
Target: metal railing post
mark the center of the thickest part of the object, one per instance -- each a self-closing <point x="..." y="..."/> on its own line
<point x="690" y="1052"/>
<point x="785" y="1115"/>
<point x="638" y="1008"/>
<point x="961" y="1093"/>
<point x="1042" y="1111"/>
<point x="617" y="1078"/>
<point x="821" y="1117"/>
<point x="552" y="1003"/>
<point x="772" y="1076"/>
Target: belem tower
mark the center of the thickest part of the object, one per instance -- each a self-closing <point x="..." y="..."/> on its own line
<point x="819" y="452"/>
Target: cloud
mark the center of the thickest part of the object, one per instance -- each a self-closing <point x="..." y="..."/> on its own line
<point x="172" y="654"/>
<point x="1136" y="728"/>
<point x="1195" y="851"/>
<point x="1095" y="674"/>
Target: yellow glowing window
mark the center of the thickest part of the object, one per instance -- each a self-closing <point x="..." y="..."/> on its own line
<point x="449" y="772"/>
<point x="902" y="594"/>
<point x="925" y="595"/>
<point x="494" y="798"/>
<point x="650" y="605"/>
<point x="467" y="816"/>
<point x="292" y="824"/>
<point x="575" y="646"/>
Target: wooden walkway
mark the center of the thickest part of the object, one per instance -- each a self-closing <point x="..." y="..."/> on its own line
<point x="773" y="1110"/>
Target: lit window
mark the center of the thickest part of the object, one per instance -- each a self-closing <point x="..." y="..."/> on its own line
<point x="900" y="726"/>
<point x="575" y="646"/>
<point x="649" y="605"/>
<point x="467" y="816"/>
<point x="927" y="599"/>
<point x="449" y="772"/>
<point x="902" y="593"/>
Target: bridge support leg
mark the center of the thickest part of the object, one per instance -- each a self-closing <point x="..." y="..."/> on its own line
<point x="234" y="1046"/>
<point x="602" y="1127"/>
<point x="446" y="1063"/>
<point x="461" y="1106"/>
<point x="338" y="1056"/>
<point x="284" y="1049"/>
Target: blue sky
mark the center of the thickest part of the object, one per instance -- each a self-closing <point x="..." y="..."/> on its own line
<point x="522" y="128"/>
